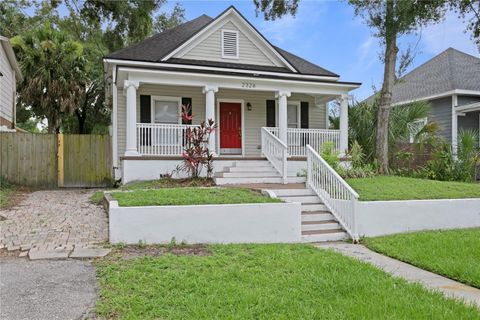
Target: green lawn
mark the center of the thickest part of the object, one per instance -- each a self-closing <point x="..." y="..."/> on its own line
<point x="263" y="282"/>
<point x="452" y="253"/>
<point x="189" y="196"/>
<point x="402" y="188"/>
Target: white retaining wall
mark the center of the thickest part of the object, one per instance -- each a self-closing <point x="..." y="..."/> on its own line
<point x="226" y="223"/>
<point x="376" y="218"/>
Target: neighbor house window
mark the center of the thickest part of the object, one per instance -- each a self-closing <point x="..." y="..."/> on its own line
<point x="166" y="110"/>
<point x="230" y="44"/>
<point x="416" y="127"/>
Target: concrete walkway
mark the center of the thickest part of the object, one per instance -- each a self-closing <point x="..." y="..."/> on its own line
<point x="408" y="272"/>
<point x="44" y="290"/>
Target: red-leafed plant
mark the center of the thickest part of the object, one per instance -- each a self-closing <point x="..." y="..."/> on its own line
<point x="196" y="154"/>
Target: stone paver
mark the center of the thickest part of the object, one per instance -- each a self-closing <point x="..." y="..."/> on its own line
<point x="53" y="220"/>
<point x="448" y="287"/>
<point x="46" y="290"/>
<point x="82" y="253"/>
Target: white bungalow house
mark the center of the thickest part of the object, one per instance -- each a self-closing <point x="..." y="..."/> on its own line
<point x="268" y="104"/>
<point x="9" y="75"/>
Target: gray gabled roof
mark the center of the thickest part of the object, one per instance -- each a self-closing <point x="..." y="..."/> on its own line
<point x="155" y="48"/>
<point x="448" y="71"/>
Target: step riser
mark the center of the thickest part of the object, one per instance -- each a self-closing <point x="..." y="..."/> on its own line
<point x="339" y="236"/>
<point x="246" y="174"/>
<point x="224" y="181"/>
<point x="250" y="169"/>
<point x="303" y="199"/>
<point x="314" y="207"/>
<point x="293" y="192"/>
<point x="321" y="226"/>
<point x="318" y="217"/>
<point x="251" y="164"/>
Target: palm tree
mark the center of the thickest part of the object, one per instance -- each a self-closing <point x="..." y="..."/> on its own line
<point x="54" y="73"/>
<point x="363" y="124"/>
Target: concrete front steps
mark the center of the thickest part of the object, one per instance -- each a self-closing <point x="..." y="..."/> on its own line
<point x="251" y="171"/>
<point x="318" y="224"/>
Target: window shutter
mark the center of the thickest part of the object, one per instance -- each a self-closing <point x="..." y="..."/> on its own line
<point x="187" y="101"/>
<point x="270" y="113"/>
<point x="304" y="114"/>
<point x="145" y="109"/>
<point x="229" y="44"/>
<point x="145" y="117"/>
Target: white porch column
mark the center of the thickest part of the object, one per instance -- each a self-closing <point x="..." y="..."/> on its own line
<point x="343" y="124"/>
<point x="209" y="92"/>
<point x="282" y="115"/>
<point x="130" y="91"/>
<point x="454" y="124"/>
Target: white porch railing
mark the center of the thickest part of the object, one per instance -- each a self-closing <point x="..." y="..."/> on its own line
<point x="161" y="139"/>
<point x="335" y="193"/>
<point x="297" y="139"/>
<point x="275" y="151"/>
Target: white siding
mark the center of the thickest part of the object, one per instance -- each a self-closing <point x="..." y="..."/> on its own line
<point x="7" y="87"/>
<point x="211" y="49"/>
<point x="254" y="119"/>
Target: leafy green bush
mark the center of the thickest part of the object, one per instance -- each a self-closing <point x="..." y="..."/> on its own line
<point x="330" y="155"/>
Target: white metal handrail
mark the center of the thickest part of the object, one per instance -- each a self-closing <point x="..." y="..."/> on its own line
<point x="276" y="152"/>
<point x="161" y="139"/>
<point x="334" y="191"/>
<point x="297" y="139"/>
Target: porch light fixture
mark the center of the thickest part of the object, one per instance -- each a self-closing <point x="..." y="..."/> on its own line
<point x="249" y="106"/>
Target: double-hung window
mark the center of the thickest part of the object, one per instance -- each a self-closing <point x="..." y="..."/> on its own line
<point x="166" y="110"/>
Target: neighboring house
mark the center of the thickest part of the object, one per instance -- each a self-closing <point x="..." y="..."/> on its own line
<point x="229" y="72"/>
<point x="9" y="75"/>
<point x="450" y="82"/>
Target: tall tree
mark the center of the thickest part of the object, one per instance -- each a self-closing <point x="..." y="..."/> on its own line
<point x="390" y="19"/>
<point x="54" y="69"/>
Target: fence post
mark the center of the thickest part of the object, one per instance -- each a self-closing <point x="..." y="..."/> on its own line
<point x="60" y="162"/>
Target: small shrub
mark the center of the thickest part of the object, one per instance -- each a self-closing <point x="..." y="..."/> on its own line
<point x="328" y="153"/>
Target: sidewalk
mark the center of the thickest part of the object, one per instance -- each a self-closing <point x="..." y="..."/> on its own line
<point x="429" y="280"/>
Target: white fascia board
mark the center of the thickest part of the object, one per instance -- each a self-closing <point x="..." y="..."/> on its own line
<point x="235" y="82"/>
<point x="11" y="57"/>
<point x="193" y="67"/>
<point x="440" y="95"/>
<point x="468" y="107"/>
<point x="213" y="26"/>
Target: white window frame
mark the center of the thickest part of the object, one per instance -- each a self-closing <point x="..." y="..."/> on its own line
<point x="165" y="98"/>
<point x="424" y="121"/>
<point x="299" y="113"/>
<point x="237" y="56"/>
<point x="297" y="104"/>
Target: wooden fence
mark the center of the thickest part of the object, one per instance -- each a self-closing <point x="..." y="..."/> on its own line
<point x="51" y="160"/>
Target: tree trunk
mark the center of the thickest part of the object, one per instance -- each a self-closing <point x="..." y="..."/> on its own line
<point x="81" y="117"/>
<point x="386" y="92"/>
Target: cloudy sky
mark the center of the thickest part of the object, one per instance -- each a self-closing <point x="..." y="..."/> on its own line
<point x="328" y="33"/>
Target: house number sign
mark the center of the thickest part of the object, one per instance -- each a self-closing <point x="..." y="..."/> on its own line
<point x="248" y="85"/>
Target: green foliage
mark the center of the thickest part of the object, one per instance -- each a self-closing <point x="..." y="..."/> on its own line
<point x="276" y="281"/>
<point x="363" y="125"/>
<point x="54" y="73"/>
<point x="97" y="197"/>
<point x="452" y="253"/>
<point x="6" y="191"/>
<point x="328" y="153"/>
<point x="381" y="188"/>
<point x="275" y="9"/>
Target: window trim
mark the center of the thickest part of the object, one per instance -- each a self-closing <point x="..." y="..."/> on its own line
<point x="237" y="56"/>
<point x="165" y="98"/>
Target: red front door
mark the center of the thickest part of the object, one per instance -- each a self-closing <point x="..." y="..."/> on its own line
<point x="230" y="128"/>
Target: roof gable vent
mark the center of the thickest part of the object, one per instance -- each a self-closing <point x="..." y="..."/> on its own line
<point x="230" y="44"/>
